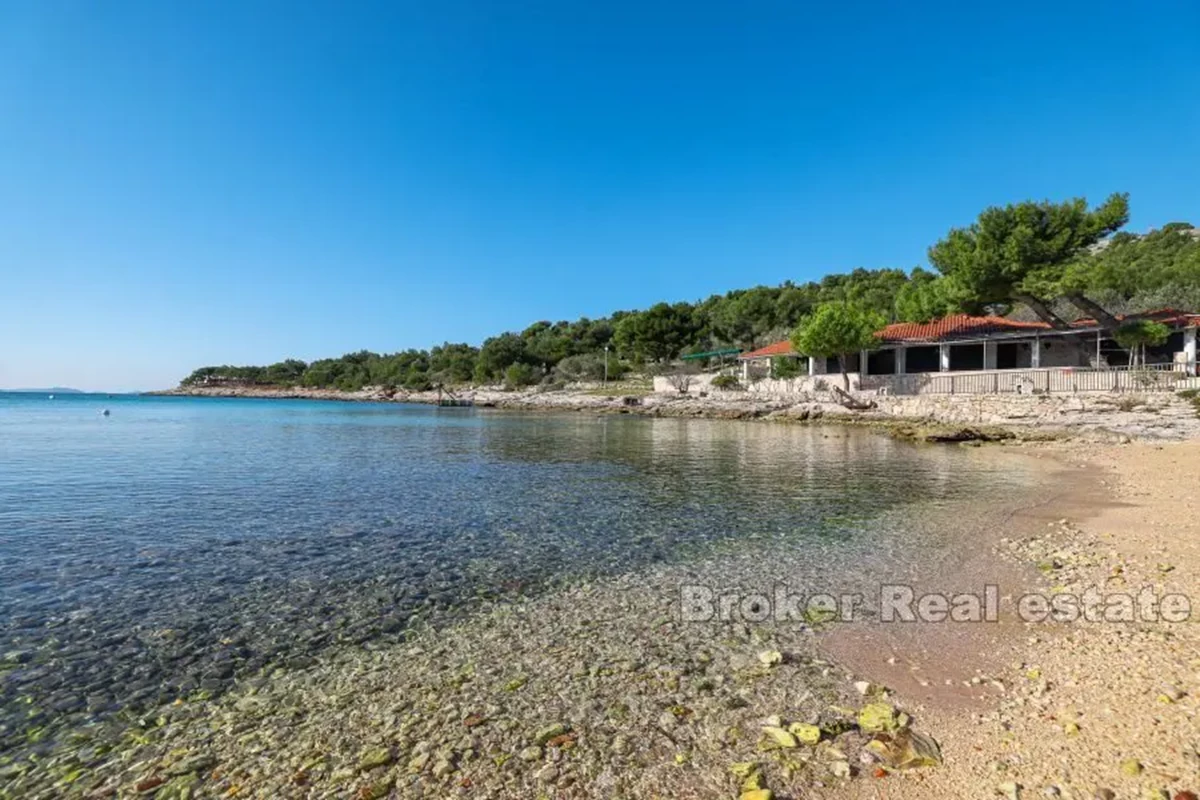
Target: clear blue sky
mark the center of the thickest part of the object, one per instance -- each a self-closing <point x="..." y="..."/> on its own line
<point x="186" y="183"/>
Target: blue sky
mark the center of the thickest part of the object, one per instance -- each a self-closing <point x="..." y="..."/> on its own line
<point x="238" y="182"/>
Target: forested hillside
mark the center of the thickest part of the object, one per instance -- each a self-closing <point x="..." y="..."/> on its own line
<point x="1055" y="262"/>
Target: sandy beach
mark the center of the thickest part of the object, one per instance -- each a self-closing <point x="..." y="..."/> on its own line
<point x="1079" y="710"/>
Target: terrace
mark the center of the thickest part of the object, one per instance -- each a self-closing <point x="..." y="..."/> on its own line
<point x="979" y="355"/>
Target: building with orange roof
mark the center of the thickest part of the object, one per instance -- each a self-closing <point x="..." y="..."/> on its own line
<point x="963" y="343"/>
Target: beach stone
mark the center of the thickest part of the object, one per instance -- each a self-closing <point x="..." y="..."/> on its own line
<point x="779" y="736"/>
<point x="757" y="794"/>
<point x="376" y="791"/>
<point x="373" y="759"/>
<point x="549" y="732"/>
<point x="770" y="658"/>
<point x="533" y="753"/>
<point x="808" y="734"/>
<point x="877" y="718"/>
<point x="194" y="764"/>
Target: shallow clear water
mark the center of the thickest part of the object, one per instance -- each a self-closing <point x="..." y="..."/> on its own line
<point x="182" y="542"/>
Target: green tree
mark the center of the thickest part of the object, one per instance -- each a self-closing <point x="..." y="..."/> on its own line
<point x="452" y="363"/>
<point x="745" y="318"/>
<point x="929" y="296"/>
<point x="547" y="343"/>
<point x="518" y="375"/>
<point x="285" y="373"/>
<point x="1020" y="253"/>
<point x="658" y="334"/>
<point x="497" y="354"/>
<point x="838" y="329"/>
<point x="1136" y="335"/>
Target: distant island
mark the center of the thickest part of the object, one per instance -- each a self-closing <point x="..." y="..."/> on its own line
<point x="51" y="390"/>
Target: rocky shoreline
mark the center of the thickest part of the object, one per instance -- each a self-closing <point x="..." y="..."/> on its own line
<point x="1116" y="418"/>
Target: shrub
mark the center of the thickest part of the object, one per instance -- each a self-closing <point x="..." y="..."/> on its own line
<point x="518" y="375"/>
<point x="725" y="383"/>
<point x="786" y="368"/>
<point x="1128" y="402"/>
<point x="1193" y="397"/>
<point x="681" y="381"/>
<point x="589" y="367"/>
<point x="551" y="383"/>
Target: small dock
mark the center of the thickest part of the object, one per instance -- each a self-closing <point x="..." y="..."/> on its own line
<point x="448" y="399"/>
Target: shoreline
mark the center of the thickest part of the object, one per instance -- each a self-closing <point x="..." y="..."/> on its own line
<point x="1105" y="709"/>
<point x="1102" y="418"/>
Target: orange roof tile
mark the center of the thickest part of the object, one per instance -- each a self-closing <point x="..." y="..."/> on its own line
<point x="954" y="326"/>
<point x="783" y="348"/>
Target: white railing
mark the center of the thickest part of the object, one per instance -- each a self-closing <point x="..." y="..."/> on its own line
<point x="1148" y="378"/>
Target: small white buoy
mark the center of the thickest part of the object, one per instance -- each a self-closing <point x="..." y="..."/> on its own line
<point x="51" y="397"/>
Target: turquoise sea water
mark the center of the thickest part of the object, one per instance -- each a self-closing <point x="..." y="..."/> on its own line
<point x="178" y="544"/>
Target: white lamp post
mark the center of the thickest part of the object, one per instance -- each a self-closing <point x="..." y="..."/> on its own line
<point x="606" y="365"/>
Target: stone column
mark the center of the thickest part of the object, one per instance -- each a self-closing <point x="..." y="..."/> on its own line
<point x="1035" y="353"/>
<point x="901" y="360"/>
<point x="862" y="363"/>
<point x="746" y="370"/>
<point x="1189" y="349"/>
<point x="944" y="357"/>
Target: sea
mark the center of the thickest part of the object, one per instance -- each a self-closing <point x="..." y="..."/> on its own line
<point x="156" y="547"/>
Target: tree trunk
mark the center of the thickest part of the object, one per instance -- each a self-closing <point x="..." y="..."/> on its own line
<point x="1043" y="311"/>
<point x="1107" y="321"/>
<point x="842" y="367"/>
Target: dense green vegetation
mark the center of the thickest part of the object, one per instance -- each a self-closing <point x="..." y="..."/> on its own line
<point x="1053" y="261"/>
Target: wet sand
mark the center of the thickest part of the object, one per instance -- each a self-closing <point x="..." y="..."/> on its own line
<point x="1075" y="710"/>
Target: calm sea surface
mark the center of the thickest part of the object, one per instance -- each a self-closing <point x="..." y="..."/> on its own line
<point x="180" y="543"/>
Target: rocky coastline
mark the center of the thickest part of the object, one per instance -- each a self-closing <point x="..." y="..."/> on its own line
<point x="1101" y="417"/>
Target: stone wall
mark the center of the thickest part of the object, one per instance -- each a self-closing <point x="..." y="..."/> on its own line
<point x="1156" y="410"/>
<point x="802" y="387"/>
